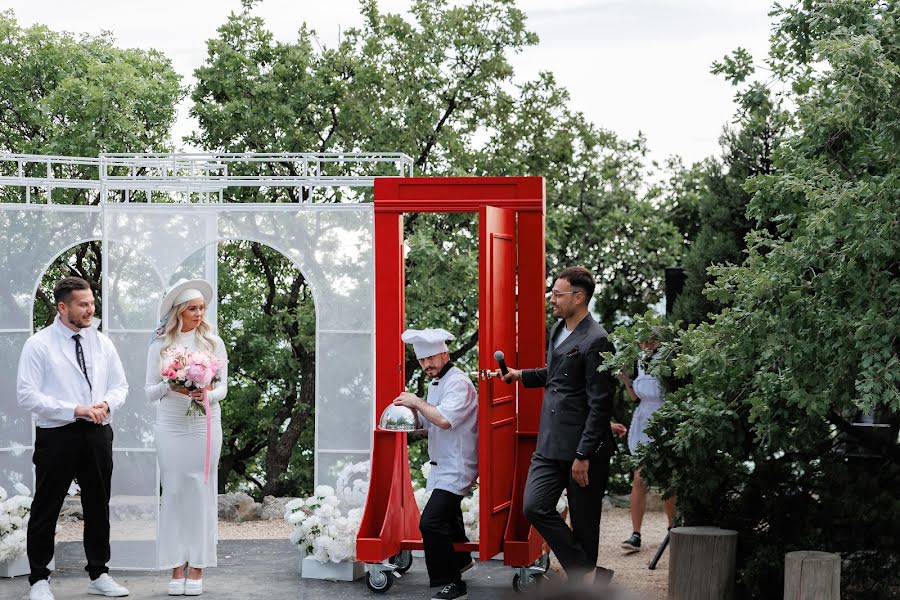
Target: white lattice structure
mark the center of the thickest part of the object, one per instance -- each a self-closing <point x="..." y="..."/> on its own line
<point x="159" y="217"/>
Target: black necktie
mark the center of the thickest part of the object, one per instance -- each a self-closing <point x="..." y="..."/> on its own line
<point x="79" y="354"/>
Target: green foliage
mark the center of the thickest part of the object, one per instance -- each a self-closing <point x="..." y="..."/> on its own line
<point x="82" y="261"/>
<point x="79" y="96"/>
<point x="762" y="440"/>
<point x="265" y="306"/>
<point x="600" y="212"/>
<point x="438" y="86"/>
<point x="682" y="196"/>
<point x="748" y="151"/>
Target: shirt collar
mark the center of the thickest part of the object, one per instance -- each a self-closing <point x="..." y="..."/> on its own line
<point x="63" y="330"/>
<point x="443" y="372"/>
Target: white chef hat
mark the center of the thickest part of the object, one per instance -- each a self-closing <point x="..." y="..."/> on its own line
<point x="427" y="342"/>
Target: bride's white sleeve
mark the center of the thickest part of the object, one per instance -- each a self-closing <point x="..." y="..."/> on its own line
<point x="154" y="386"/>
<point x="220" y="388"/>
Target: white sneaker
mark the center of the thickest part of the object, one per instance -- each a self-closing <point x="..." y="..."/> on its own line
<point x="193" y="587"/>
<point x="40" y="591"/>
<point x="106" y="586"/>
<point x="176" y="587"/>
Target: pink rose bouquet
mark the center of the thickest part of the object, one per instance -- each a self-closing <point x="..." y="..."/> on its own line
<point x="192" y="370"/>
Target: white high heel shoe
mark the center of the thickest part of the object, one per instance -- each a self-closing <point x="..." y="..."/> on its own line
<point x="176" y="587"/>
<point x="193" y="587"/>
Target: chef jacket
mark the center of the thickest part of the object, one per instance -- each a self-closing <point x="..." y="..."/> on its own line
<point x="454" y="451"/>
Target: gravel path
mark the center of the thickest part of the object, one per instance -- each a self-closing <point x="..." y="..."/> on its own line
<point x="631" y="571"/>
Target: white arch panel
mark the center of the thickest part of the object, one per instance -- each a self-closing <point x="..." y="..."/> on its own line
<point x="147" y="246"/>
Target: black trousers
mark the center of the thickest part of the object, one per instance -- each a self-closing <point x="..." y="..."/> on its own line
<point x="81" y="450"/>
<point x="575" y="548"/>
<point x="441" y="525"/>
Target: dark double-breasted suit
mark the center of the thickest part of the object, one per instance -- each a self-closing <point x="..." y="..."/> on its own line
<point x="574" y="424"/>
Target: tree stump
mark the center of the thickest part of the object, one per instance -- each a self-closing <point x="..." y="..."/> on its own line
<point x="701" y="563"/>
<point x="812" y="576"/>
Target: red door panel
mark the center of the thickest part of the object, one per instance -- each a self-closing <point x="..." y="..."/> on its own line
<point x="496" y="400"/>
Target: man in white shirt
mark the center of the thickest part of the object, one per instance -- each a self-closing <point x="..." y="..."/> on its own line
<point x="450" y="415"/>
<point x="71" y="379"/>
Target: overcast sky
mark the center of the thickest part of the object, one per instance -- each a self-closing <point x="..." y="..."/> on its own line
<point x="630" y="65"/>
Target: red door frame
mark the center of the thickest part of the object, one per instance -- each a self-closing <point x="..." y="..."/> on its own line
<point x="390" y="521"/>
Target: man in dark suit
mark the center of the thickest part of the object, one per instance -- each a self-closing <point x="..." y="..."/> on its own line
<point x="575" y="442"/>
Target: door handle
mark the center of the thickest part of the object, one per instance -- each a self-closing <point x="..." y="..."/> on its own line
<point x="486" y="374"/>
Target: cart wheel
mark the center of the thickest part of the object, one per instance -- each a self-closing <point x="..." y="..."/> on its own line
<point x="379" y="581"/>
<point x="527" y="584"/>
<point x="543" y="562"/>
<point x="403" y="560"/>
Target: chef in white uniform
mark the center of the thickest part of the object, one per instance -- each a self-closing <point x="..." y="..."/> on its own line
<point x="450" y="415"/>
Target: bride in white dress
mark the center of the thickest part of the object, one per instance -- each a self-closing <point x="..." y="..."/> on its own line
<point x="188" y="518"/>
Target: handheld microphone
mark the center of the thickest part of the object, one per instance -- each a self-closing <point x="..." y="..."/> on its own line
<point x="501" y="360"/>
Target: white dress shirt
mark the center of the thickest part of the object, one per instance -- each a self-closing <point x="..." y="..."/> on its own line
<point x="454" y="451"/>
<point x="50" y="382"/>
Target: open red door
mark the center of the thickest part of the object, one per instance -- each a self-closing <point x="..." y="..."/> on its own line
<point x="510" y="209"/>
<point x="496" y="399"/>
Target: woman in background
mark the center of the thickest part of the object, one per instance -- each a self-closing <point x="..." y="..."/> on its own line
<point x="648" y="392"/>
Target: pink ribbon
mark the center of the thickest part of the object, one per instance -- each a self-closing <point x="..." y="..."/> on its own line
<point x="208" y="433"/>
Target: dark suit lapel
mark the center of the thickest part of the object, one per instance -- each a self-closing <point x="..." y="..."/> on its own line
<point x="570" y="342"/>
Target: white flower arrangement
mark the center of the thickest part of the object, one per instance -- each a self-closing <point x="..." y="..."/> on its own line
<point x="325" y="532"/>
<point x="14" y="515"/>
<point x="322" y="529"/>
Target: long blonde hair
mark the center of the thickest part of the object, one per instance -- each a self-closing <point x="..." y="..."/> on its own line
<point x="205" y="340"/>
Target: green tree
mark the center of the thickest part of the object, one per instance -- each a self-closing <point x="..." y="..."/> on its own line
<point x="71" y="95"/>
<point x="600" y="211"/>
<point x="762" y="440"/>
<point x="271" y="350"/>
<point x="748" y="151"/>
<point x="81" y="95"/>
<point x="439" y="87"/>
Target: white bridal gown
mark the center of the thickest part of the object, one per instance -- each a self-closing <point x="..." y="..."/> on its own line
<point x="188" y="515"/>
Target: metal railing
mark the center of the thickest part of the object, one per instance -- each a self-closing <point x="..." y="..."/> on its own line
<point x="196" y="177"/>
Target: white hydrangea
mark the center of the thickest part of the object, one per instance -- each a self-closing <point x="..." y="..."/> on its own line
<point x="326" y="511"/>
<point x="295" y="536"/>
<point x="14" y="514"/>
<point x="295" y="517"/>
<point x="470" y="507"/>
<point x="295" y="503"/>
<point x="324" y="491"/>
<point x="422" y="497"/>
<point x="326" y="524"/>
<point x="341" y="549"/>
